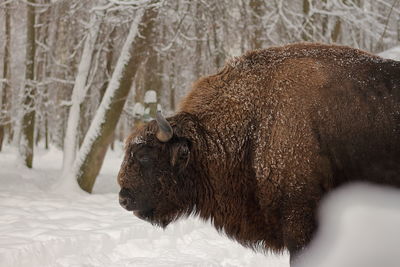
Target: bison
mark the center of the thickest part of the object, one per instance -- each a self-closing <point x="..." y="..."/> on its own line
<point x="255" y="147"/>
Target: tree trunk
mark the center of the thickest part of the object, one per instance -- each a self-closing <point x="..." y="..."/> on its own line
<point x="336" y="31"/>
<point x="256" y="7"/>
<point x="79" y="93"/>
<point x="95" y="144"/>
<point x="217" y="45"/>
<point x="198" y="47"/>
<point x="109" y="61"/>
<point x="28" y="119"/>
<point x="46" y="132"/>
<point x="307" y="34"/>
<point x="5" y="87"/>
<point x="43" y="20"/>
<point x="152" y="75"/>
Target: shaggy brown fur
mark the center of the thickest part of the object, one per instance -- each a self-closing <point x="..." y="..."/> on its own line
<point x="257" y="145"/>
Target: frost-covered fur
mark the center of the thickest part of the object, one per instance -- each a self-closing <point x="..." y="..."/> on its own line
<point x="268" y="136"/>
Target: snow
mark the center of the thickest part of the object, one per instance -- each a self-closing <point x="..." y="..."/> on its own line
<point x="150" y="97"/>
<point x="359" y="228"/>
<point x="39" y="227"/>
<point x="393" y="53"/>
<point x="138" y="109"/>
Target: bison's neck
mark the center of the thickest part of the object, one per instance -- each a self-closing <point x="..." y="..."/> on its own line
<point x="222" y="141"/>
<point x="225" y="182"/>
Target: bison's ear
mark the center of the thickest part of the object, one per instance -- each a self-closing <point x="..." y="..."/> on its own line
<point x="180" y="155"/>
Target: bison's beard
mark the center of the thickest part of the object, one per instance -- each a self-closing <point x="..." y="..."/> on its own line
<point x="149" y="216"/>
<point x="156" y="218"/>
<point x="144" y="215"/>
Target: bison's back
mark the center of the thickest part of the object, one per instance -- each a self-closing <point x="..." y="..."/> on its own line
<point x="335" y="103"/>
<point x="336" y="116"/>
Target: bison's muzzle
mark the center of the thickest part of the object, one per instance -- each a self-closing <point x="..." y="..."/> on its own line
<point x="126" y="199"/>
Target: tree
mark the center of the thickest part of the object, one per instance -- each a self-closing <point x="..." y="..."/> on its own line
<point x="256" y="7"/>
<point x="28" y="119"/>
<point x="79" y="92"/>
<point x="4" y="85"/>
<point x="44" y="38"/>
<point x="91" y="155"/>
<point x="307" y="34"/>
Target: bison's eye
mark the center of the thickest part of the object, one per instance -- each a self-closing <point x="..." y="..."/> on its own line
<point x="184" y="152"/>
<point x="144" y="155"/>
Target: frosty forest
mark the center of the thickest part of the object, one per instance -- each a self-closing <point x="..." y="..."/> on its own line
<point x="76" y="76"/>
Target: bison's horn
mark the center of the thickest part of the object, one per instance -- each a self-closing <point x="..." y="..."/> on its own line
<point x="165" y="132"/>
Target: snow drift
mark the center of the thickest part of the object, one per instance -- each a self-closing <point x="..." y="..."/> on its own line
<point x="359" y="227"/>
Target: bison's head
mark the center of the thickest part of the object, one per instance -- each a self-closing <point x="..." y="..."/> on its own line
<point x="152" y="177"/>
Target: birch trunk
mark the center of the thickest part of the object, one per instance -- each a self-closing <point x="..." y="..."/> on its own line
<point x="78" y="94"/>
<point x="5" y="88"/>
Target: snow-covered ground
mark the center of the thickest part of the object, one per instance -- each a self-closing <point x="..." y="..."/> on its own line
<point x="39" y="227"/>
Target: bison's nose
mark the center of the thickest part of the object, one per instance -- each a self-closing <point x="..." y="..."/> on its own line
<point x="126" y="199"/>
